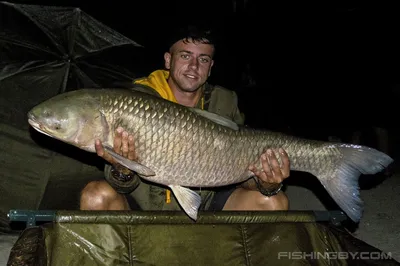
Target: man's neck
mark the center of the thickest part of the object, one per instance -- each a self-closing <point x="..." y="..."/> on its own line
<point x="189" y="99"/>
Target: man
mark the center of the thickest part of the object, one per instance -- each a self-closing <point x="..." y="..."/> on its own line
<point x="188" y="62"/>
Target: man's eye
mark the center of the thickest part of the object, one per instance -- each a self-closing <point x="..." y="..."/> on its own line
<point x="185" y="56"/>
<point x="204" y="60"/>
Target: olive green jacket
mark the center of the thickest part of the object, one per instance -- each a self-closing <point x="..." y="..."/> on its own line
<point x="150" y="196"/>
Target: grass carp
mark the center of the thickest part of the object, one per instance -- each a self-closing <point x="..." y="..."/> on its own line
<point x="182" y="147"/>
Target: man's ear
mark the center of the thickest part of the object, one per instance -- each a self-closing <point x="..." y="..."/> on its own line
<point x="167" y="59"/>
<point x="209" y="71"/>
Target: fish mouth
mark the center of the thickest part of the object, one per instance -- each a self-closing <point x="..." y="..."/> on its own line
<point x="36" y="125"/>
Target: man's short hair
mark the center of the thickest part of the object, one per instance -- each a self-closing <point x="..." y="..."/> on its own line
<point x="195" y="33"/>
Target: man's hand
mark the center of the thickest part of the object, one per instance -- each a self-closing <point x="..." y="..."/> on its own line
<point x="272" y="174"/>
<point x="123" y="145"/>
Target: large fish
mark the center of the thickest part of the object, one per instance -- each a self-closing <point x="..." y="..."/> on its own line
<point x="183" y="147"/>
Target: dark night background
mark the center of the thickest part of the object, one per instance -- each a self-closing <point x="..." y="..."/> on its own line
<point x="320" y="69"/>
<point x="311" y="70"/>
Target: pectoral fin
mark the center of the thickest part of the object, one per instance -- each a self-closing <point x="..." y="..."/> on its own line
<point x="134" y="166"/>
<point x="246" y="175"/>
<point x="188" y="199"/>
<point x="216" y="118"/>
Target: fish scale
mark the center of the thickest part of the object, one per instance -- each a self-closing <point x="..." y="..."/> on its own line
<point x="184" y="147"/>
<point x="180" y="138"/>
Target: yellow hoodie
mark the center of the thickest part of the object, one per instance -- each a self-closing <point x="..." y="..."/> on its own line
<point x="158" y="81"/>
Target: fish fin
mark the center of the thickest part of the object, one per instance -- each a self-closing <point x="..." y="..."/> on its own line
<point x="134" y="166"/>
<point x="246" y="175"/>
<point x="188" y="199"/>
<point x="216" y="118"/>
<point x="342" y="184"/>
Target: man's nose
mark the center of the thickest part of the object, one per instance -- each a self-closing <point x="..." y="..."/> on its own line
<point x="194" y="63"/>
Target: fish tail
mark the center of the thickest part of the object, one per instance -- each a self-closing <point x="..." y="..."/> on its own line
<point x="342" y="182"/>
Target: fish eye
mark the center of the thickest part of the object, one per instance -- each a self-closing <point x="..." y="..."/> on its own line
<point x="46" y="113"/>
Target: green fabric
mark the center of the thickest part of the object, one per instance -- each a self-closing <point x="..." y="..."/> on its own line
<point x="25" y="169"/>
<point x="34" y="176"/>
<point x="171" y="238"/>
<point x="150" y="196"/>
<point x="225" y="103"/>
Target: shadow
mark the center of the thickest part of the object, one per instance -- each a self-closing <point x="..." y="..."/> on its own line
<point x="67" y="150"/>
<point x="309" y="181"/>
<point x="367" y="182"/>
<point x="306" y="180"/>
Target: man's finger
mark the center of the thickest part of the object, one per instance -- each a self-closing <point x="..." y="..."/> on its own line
<point x="265" y="165"/>
<point x="99" y="148"/>
<point x="131" y="146"/>
<point x="275" y="167"/>
<point x="260" y="174"/>
<point x="102" y="153"/>
<point x="285" y="163"/>
<point x="124" y="143"/>
<point x="273" y="161"/>
<point x="118" y="140"/>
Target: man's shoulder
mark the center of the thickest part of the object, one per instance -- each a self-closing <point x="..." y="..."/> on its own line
<point x="223" y="101"/>
<point x="218" y="89"/>
<point x="219" y="95"/>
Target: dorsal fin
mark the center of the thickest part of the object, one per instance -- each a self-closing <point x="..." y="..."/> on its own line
<point x="216" y="118"/>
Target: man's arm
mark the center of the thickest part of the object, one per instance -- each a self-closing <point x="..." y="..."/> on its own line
<point x="122" y="179"/>
<point x="119" y="177"/>
<point x="272" y="174"/>
<point x="268" y="179"/>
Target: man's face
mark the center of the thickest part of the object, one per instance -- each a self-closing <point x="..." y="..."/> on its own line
<point x="189" y="64"/>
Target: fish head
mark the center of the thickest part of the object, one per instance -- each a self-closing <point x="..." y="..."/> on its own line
<point x="72" y="118"/>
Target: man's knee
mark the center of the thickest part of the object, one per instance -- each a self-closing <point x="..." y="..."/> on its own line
<point x="243" y="199"/>
<point x="99" y="195"/>
<point x="279" y="202"/>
